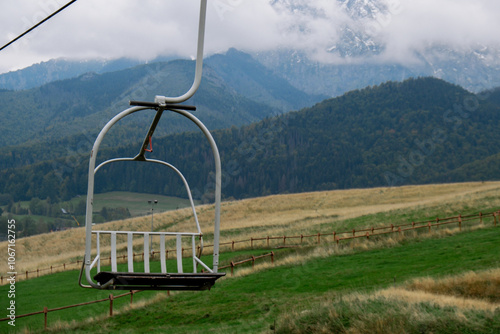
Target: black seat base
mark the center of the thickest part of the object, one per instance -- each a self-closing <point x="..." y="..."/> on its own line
<point x="157" y="281"/>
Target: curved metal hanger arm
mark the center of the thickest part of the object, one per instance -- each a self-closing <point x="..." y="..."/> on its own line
<point x="162" y="100"/>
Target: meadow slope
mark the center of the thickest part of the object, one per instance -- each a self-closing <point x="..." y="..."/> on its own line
<point x="277" y="215"/>
<point x="413" y="282"/>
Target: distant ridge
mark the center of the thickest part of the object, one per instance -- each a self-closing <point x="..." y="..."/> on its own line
<point x="418" y="131"/>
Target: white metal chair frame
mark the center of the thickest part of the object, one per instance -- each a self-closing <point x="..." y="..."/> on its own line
<point x="163" y="280"/>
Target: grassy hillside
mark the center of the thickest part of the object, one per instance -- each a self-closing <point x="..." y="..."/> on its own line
<point x="418" y="283"/>
<point x="281" y="215"/>
<point x="136" y="203"/>
<point x="42" y="216"/>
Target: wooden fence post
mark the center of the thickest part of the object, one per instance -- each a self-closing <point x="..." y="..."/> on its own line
<point x="232" y="268"/>
<point x="429" y="224"/>
<point x="284" y="240"/>
<point x="272" y="257"/>
<point x="460" y="222"/>
<point x="45" y="311"/>
<point x="232" y="246"/>
<point x="131" y="297"/>
<point x="319" y="238"/>
<point x="111" y="305"/>
<point x="267" y="241"/>
<point x="480" y="217"/>
<point x="334" y="236"/>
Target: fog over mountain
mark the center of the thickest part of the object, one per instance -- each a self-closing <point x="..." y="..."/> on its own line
<point x="379" y="40"/>
<point x="321" y="46"/>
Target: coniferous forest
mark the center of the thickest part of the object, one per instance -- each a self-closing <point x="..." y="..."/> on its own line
<point x="418" y="131"/>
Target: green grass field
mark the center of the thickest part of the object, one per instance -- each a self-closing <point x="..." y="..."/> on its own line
<point x="253" y="303"/>
<point x="310" y="288"/>
<point x="138" y="203"/>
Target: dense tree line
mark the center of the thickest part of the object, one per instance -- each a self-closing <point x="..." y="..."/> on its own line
<point x="418" y="131"/>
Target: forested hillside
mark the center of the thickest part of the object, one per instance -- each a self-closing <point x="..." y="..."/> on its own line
<point x="418" y="131"/>
<point x="64" y="117"/>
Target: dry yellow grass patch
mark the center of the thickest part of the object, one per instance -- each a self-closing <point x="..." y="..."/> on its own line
<point x="417" y="297"/>
<point x="470" y="290"/>
<point x="482" y="285"/>
<point x="394" y="310"/>
<point x="272" y="215"/>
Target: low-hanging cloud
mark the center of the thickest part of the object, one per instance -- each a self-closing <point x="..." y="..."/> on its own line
<point x="149" y="28"/>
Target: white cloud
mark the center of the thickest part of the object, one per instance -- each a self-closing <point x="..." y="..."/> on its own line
<point x="456" y="24"/>
<point x="148" y="28"/>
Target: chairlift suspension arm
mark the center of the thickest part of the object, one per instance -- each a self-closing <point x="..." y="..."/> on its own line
<point x="199" y="62"/>
<point x="147" y="141"/>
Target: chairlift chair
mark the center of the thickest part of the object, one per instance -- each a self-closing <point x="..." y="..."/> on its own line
<point x="147" y="280"/>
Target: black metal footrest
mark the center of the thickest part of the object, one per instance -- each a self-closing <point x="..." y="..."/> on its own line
<point x="157" y="281"/>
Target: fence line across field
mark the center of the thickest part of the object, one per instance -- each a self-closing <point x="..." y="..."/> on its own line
<point x="336" y="235"/>
<point x="365" y="233"/>
<point x="111" y="297"/>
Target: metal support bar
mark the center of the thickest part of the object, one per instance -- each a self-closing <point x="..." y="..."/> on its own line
<point x="146" y="252"/>
<point x="97" y="258"/>
<point x="199" y="62"/>
<point x="188" y="190"/>
<point x="98" y="254"/>
<point x="163" y="260"/>
<point x="155" y="105"/>
<point x="130" y="252"/>
<point x="203" y="265"/>
<point x="113" y="252"/>
<point x="193" y="253"/>
<point x="218" y="181"/>
<point x="147" y="140"/>
<point x="179" y="254"/>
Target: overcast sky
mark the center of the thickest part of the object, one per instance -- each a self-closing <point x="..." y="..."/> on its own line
<point x="148" y="28"/>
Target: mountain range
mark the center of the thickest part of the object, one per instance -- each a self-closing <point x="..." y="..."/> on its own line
<point x="422" y="130"/>
<point x="63" y="117"/>
<point x="359" y="56"/>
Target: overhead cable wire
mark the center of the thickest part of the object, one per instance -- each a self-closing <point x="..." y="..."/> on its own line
<point x="39" y="23"/>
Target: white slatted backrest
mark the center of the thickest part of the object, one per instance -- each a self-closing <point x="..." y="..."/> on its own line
<point x="113" y="252"/>
<point x="146" y="252"/>
<point x="130" y="252"/>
